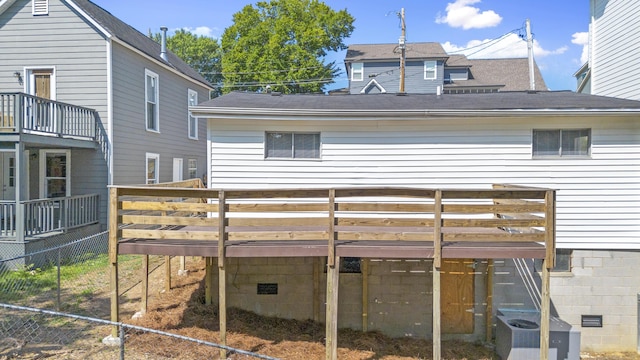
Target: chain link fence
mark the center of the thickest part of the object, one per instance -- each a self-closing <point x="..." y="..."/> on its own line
<point x="54" y="303"/>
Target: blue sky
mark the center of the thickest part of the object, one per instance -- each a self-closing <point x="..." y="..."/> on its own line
<point x="559" y="26"/>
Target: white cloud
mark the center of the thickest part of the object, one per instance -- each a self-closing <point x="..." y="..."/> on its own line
<point x="582" y="38"/>
<point x="200" y="31"/>
<point x="510" y="46"/>
<point x="461" y="14"/>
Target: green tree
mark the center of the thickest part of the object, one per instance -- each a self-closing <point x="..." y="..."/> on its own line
<point x="283" y="43"/>
<point x="201" y="52"/>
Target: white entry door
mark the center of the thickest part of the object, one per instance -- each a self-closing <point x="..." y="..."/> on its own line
<point x="8" y="178"/>
<point x="177" y="169"/>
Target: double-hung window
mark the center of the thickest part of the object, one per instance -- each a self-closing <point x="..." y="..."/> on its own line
<point x="430" y="70"/>
<point x="357" y="71"/>
<point x="290" y="145"/>
<point x="152" y="101"/>
<point x="192" y="97"/>
<point x="193" y="168"/>
<point x="153" y="164"/>
<point x="562" y="142"/>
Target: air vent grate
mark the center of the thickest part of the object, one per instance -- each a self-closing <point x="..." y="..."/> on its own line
<point x="591" y="321"/>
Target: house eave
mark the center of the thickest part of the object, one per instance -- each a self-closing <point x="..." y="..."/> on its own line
<point x="333" y="115"/>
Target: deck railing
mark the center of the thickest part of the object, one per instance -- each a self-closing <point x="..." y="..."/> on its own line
<point x="501" y="214"/>
<point x="22" y="113"/>
<point x="43" y="216"/>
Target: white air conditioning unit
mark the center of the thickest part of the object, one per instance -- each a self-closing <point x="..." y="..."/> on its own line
<point x="518" y="337"/>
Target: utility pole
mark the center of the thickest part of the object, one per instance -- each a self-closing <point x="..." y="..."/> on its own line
<point x="532" y="79"/>
<point x="403" y="48"/>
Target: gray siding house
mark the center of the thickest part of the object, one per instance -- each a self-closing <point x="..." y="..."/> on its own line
<point x="85" y="101"/>
<point x="375" y="68"/>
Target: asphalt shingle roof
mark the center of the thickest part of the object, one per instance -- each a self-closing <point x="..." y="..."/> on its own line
<point x="426" y="50"/>
<point x="136" y="39"/>
<point x="512" y="74"/>
<point x="543" y="100"/>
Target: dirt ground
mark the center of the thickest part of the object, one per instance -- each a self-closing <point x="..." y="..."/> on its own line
<point x="182" y="311"/>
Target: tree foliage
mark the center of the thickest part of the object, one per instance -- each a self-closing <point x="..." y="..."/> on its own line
<point x="283" y="43"/>
<point x="201" y="53"/>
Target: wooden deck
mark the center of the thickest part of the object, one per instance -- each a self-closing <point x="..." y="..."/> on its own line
<point x="500" y="222"/>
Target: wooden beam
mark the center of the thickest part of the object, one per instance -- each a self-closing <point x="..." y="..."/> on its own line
<point x="333" y="278"/>
<point x="437" y="230"/>
<point x="144" y="296"/>
<point x="167" y="273"/>
<point x="545" y="311"/>
<point x="317" y="268"/>
<point x="364" y="270"/>
<point x="183" y="266"/>
<point x="332" y="230"/>
<point x="550" y="230"/>
<point x="208" y="278"/>
<point x="489" y="312"/>
<point x="437" y="336"/>
<point x="222" y="271"/>
<point x="113" y="258"/>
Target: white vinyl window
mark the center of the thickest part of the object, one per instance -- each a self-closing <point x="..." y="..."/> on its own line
<point x="357" y="71"/>
<point x="153" y="165"/>
<point x="430" y="70"/>
<point x="193" y="168"/>
<point x="152" y="99"/>
<point x="562" y="142"/>
<point x="192" y="98"/>
<point x="56" y="167"/>
<point x="40" y="7"/>
<point x="288" y="145"/>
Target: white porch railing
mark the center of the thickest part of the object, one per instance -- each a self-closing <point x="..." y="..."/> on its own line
<point x="25" y="113"/>
<point x="43" y="216"/>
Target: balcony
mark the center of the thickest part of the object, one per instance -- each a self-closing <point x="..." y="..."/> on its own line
<point x="46" y="216"/>
<point x="26" y="114"/>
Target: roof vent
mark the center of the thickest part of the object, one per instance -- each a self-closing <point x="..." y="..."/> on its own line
<point x="163" y="43"/>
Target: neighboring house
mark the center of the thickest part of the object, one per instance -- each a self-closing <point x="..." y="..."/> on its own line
<point x="85" y="101"/>
<point x="375" y="68"/>
<point x="613" y="67"/>
<point x="585" y="147"/>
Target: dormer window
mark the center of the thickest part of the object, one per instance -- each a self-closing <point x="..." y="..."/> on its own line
<point x="430" y="70"/>
<point x="357" y="72"/>
<point x="40" y="7"/>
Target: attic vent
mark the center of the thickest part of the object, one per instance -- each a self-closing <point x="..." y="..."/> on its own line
<point x="591" y="321"/>
<point x="40" y="7"/>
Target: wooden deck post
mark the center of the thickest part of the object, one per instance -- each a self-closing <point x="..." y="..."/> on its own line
<point x="545" y="312"/>
<point x="437" y="263"/>
<point x="317" y="269"/>
<point x="365" y="294"/>
<point x="113" y="257"/>
<point x="167" y="273"/>
<point x="489" y="312"/>
<point x="333" y="278"/>
<point x="144" y="297"/>
<point x="222" y="272"/>
<point x="208" y="277"/>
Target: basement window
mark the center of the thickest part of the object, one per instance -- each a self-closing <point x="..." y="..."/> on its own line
<point x="563" y="261"/>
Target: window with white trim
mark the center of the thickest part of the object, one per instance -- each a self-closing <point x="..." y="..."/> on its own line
<point x="56" y="166"/>
<point x="153" y="167"/>
<point x="290" y="145"/>
<point x="430" y="70"/>
<point x="561" y="142"/>
<point x="152" y="99"/>
<point x="40" y="7"/>
<point x="193" y="168"/>
<point x="192" y="100"/>
<point x="357" y="71"/>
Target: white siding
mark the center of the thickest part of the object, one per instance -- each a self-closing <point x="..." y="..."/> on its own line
<point x="615" y="41"/>
<point x="598" y="197"/>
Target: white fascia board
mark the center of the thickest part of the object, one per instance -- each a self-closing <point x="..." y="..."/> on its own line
<point x="5" y="4"/>
<point x="328" y="115"/>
